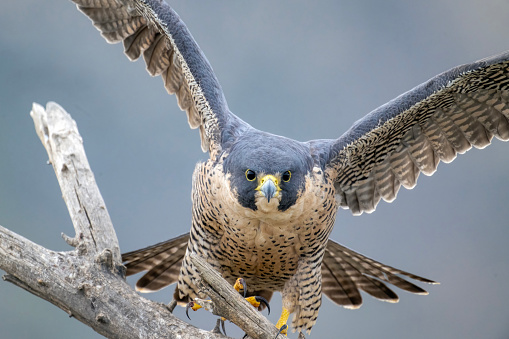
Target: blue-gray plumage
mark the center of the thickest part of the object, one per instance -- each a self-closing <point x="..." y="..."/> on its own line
<point x="264" y="205"/>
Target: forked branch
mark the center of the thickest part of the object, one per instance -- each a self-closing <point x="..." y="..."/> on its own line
<point x="88" y="283"/>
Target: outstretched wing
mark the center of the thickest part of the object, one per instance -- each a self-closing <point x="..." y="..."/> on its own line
<point x="152" y="28"/>
<point x="463" y="107"/>
<point x="162" y="261"/>
<point x="345" y="272"/>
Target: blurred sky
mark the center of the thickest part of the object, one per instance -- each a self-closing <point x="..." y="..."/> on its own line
<point x="297" y="68"/>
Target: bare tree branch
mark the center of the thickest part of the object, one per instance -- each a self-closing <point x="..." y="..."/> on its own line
<point x="89" y="282"/>
<point x="59" y="135"/>
<point x="229" y="304"/>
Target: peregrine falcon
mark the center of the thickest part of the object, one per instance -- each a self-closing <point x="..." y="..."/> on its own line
<point x="264" y="205"/>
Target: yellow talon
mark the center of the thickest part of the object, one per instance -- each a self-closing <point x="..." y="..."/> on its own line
<point x="256" y="301"/>
<point x="240" y="285"/>
<point x="253" y="301"/>
<point x="192" y="305"/>
<point x="281" y="323"/>
<point x="195" y="307"/>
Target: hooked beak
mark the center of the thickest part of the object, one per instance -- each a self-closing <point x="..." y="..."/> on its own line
<point x="269" y="186"/>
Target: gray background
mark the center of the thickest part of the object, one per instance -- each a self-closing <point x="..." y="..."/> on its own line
<point x="297" y="68"/>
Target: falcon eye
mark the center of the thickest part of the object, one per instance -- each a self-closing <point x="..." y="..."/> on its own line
<point x="286" y="176"/>
<point x="250" y="175"/>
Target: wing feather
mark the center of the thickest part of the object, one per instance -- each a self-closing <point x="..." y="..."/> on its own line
<point x="152" y="29"/>
<point x="137" y="43"/>
<point x="448" y="115"/>
<point x="161" y="261"/>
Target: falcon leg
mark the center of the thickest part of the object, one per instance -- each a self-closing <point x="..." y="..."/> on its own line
<point x="256" y="301"/>
<point x="197" y="304"/>
<point x="283" y="328"/>
<point x="281" y="323"/>
<point x="240" y="285"/>
<point x="171" y="305"/>
<point x="219" y="325"/>
<point x="207" y="305"/>
<point x="192" y="305"/>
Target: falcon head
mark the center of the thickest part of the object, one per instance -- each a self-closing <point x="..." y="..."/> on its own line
<point x="267" y="172"/>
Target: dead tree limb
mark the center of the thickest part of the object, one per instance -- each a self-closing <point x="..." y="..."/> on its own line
<point x="88" y="282"/>
<point x="59" y="135"/>
<point x="229" y="304"/>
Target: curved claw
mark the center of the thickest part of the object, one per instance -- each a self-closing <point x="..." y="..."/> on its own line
<point x="192" y="305"/>
<point x="244" y="287"/>
<point x="189" y="305"/>
<point x="264" y="301"/>
<point x="240" y="283"/>
<point x="222" y="325"/>
<point x="281" y="330"/>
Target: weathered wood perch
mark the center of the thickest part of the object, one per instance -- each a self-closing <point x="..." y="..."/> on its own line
<point x="229" y="304"/>
<point x="89" y="282"/>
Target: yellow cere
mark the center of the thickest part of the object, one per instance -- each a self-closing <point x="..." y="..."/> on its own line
<point x="267" y="177"/>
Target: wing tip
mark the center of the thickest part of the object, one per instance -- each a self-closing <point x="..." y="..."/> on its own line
<point x="422" y="293"/>
<point x="391" y="300"/>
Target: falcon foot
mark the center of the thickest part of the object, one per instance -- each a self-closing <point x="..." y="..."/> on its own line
<point x="256" y="301"/>
<point x="197" y="304"/>
<point x="282" y="330"/>
<point x="219" y="325"/>
<point x="207" y="304"/>
<point x="171" y="305"/>
<point x="240" y="284"/>
<point x="281" y="323"/>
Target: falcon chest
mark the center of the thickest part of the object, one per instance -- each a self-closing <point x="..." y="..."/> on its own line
<point x="262" y="246"/>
